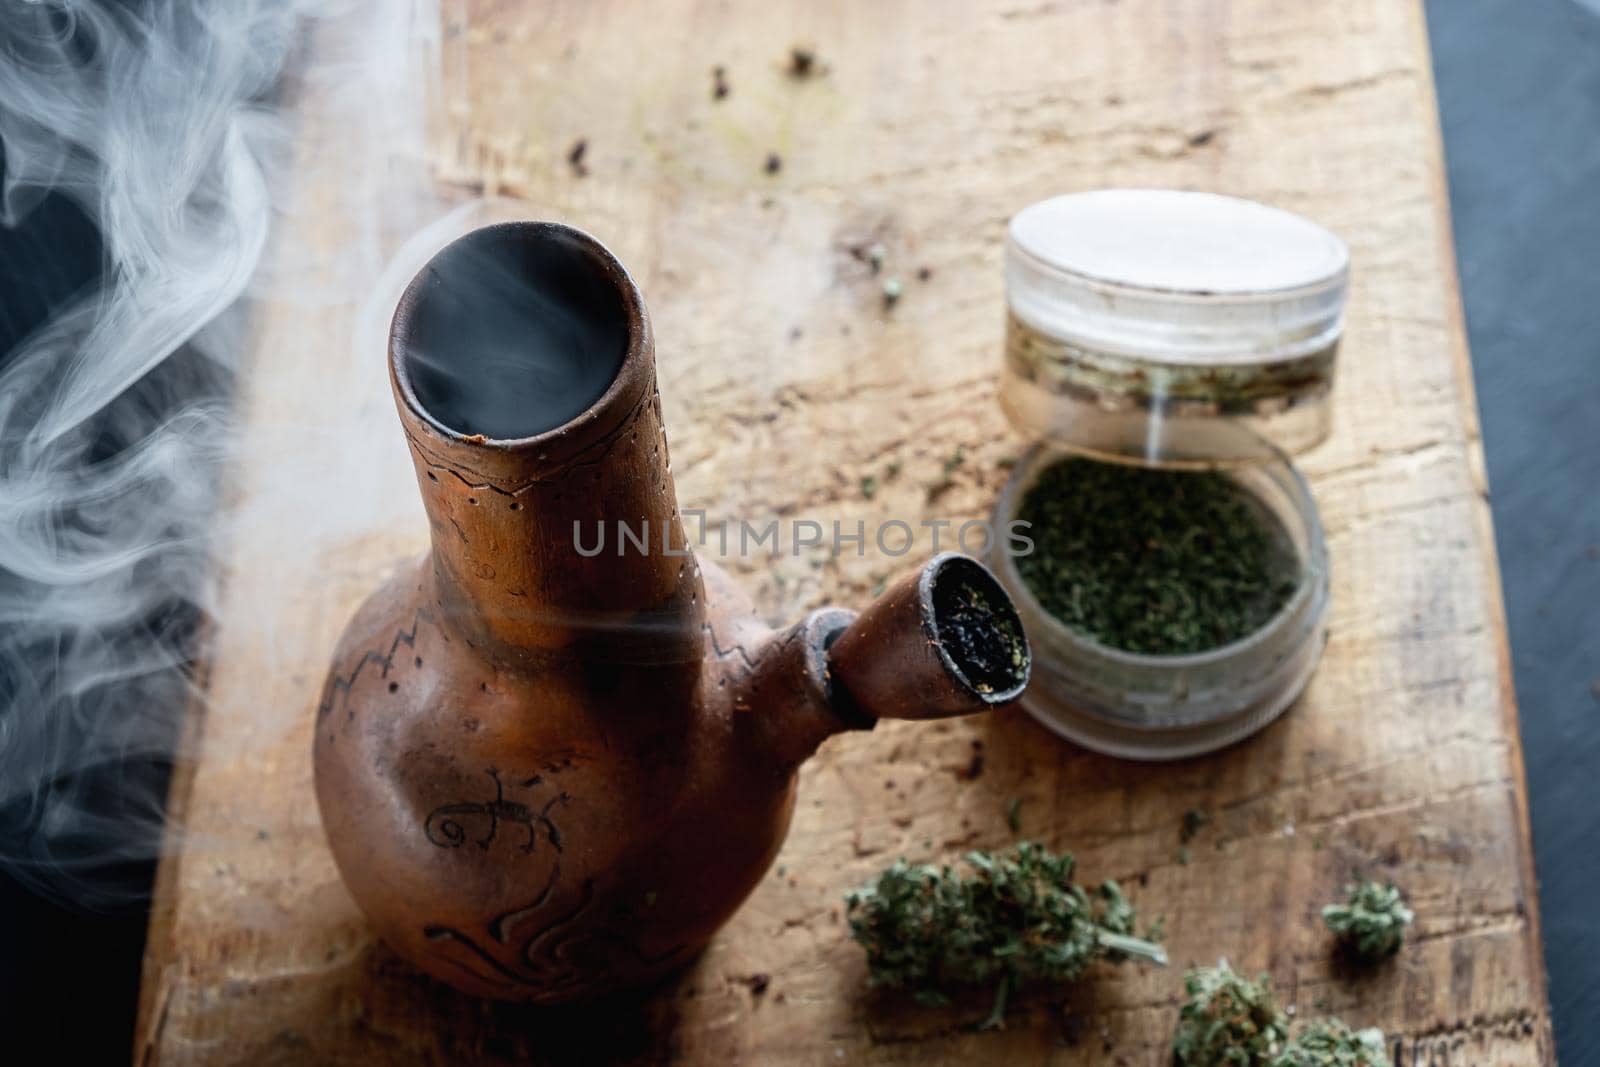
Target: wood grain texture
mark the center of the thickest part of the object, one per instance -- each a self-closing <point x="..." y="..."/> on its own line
<point x="785" y="382"/>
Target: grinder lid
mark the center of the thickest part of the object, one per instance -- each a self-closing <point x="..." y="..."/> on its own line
<point x="1171" y="328"/>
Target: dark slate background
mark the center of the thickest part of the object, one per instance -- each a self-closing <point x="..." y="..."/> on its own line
<point x="1519" y="96"/>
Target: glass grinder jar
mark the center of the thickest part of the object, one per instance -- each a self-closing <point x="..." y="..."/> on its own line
<point x="1180" y="331"/>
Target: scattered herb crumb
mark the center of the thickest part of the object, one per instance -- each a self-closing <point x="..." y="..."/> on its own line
<point x="1371" y="923"/>
<point x="1014" y="815"/>
<point x="924" y="273"/>
<point x="758" y="983"/>
<point x="975" y="764"/>
<point x="892" y="471"/>
<point x="719" y="82"/>
<point x="1183" y="855"/>
<point x="1193" y="820"/>
<point x="1005" y="463"/>
<point x="869" y="486"/>
<point x="782" y="870"/>
<point x="954" y="460"/>
<point x="892" y="290"/>
<point x="802" y="61"/>
<point x="875" y="256"/>
<point x="1004" y="920"/>
<point x="774" y="163"/>
<point x="1203" y="138"/>
<point x="575" y="155"/>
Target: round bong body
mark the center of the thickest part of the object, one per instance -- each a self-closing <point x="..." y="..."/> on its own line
<point x="548" y="773"/>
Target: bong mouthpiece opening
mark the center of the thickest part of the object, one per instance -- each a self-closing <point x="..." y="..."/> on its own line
<point x="513" y="331"/>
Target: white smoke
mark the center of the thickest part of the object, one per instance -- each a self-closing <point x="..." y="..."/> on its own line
<point x="159" y="119"/>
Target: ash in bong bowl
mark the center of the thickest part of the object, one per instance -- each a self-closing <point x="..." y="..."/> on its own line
<point x="1151" y="561"/>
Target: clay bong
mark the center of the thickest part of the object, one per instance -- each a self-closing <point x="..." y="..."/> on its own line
<point x="548" y="772"/>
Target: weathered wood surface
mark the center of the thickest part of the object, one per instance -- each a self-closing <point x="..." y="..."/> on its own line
<point x="784" y="383"/>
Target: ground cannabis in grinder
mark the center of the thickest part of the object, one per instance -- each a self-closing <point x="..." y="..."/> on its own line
<point x="1371" y="923"/>
<point x="1152" y="561"/>
<point x="1008" y="918"/>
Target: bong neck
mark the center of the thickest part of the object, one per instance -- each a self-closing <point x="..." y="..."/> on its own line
<point x="515" y="523"/>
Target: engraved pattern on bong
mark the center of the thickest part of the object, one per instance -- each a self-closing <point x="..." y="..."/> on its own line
<point x="444" y="824"/>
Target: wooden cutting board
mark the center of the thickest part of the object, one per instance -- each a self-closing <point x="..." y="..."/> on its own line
<point x="785" y="383"/>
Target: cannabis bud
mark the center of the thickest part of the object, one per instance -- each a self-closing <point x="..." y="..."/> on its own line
<point x="1228" y="1021"/>
<point x="1372" y="922"/>
<point x="1012" y="917"/>
<point x="1330" y="1043"/>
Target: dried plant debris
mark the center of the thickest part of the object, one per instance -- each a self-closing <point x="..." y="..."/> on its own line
<point x="803" y="61"/>
<point x="892" y="291"/>
<point x="719" y="83"/>
<point x="975" y="763"/>
<point x="1330" y="1043"/>
<point x="575" y="155"/>
<point x="1371" y="923"/>
<point x="1228" y="1020"/>
<point x="1005" y="919"/>
<point x="951" y="464"/>
<point x="773" y="164"/>
<point x="1231" y="1021"/>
